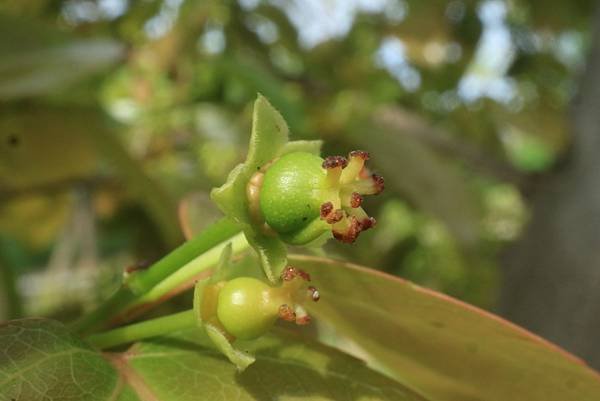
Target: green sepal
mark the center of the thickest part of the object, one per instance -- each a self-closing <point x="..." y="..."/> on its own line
<point x="271" y="251"/>
<point x="269" y="136"/>
<point x="222" y="268"/>
<point x="239" y="358"/>
<point x="313" y="147"/>
<point x="269" y="140"/>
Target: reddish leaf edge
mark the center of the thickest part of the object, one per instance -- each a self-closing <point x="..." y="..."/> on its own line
<point x="526" y="334"/>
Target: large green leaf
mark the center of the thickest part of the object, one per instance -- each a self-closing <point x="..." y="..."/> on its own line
<point x="36" y="59"/>
<point x="183" y="368"/>
<point x="439" y="346"/>
<point x="40" y="360"/>
<point x="33" y="140"/>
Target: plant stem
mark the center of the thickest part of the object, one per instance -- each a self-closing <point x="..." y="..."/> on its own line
<point x="146" y="329"/>
<point x="215" y="236"/>
<point x="220" y="231"/>
<point x="191" y="269"/>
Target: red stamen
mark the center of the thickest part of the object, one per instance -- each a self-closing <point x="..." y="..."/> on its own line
<point x="368" y="223"/>
<point x="360" y="153"/>
<point x="350" y="233"/>
<point x="331" y="162"/>
<point x="287" y="313"/>
<point x="355" y="200"/>
<point x="329" y="214"/>
<point x="290" y="273"/>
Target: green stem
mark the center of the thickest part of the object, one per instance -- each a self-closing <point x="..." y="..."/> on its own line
<point x="216" y="233"/>
<point x="146" y="329"/>
<point x="190" y="270"/>
<point x="215" y="236"/>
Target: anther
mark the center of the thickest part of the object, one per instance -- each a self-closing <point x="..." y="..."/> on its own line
<point x="287" y="313"/>
<point x="368" y="223"/>
<point x="329" y="214"/>
<point x="334" y="166"/>
<point x="290" y="273"/>
<point x="349" y="233"/>
<point x="314" y="293"/>
<point x="332" y="162"/>
<point x="355" y="200"/>
<point x="360" y="153"/>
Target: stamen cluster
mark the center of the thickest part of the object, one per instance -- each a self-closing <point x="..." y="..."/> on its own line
<point x="351" y="180"/>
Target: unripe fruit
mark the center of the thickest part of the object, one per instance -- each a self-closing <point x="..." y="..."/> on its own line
<point x="247" y="307"/>
<point x="292" y="193"/>
<point x="301" y="196"/>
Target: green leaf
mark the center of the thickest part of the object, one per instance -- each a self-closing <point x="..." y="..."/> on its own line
<point x="40" y="360"/>
<point x="443" y="348"/>
<point x="269" y="137"/>
<point x="184" y="368"/>
<point x="42" y="134"/>
<point x="36" y="59"/>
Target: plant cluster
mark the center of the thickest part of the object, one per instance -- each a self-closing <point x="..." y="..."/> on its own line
<point x="284" y="193"/>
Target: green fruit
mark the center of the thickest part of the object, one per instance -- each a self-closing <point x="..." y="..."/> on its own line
<point x="291" y="196"/>
<point x="247" y="307"/>
<point x="301" y="197"/>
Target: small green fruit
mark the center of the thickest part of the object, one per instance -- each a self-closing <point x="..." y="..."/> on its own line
<point x="301" y="196"/>
<point x="292" y="194"/>
<point x="247" y="307"/>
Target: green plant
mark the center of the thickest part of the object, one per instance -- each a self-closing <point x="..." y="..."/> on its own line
<point x="419" y="345"/>
<point x="284" y="192"/>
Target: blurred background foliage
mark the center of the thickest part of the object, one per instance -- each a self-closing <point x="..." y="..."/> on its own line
<point x="114" y="112"/>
